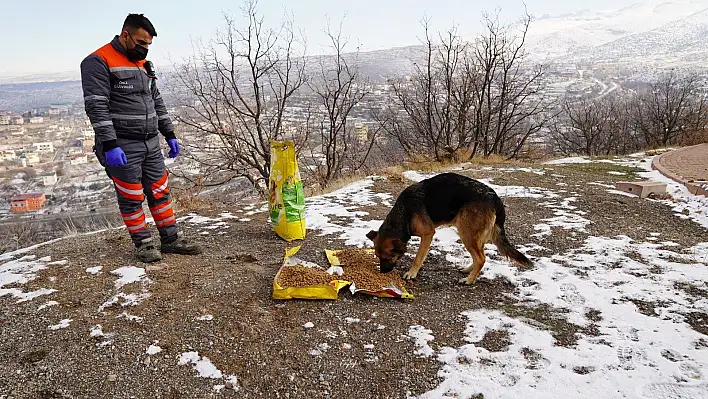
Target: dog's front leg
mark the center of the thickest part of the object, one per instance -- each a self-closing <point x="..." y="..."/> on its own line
<point x="425" y="242"/>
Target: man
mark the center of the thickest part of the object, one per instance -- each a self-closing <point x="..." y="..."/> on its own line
<point x="127" y="113"/>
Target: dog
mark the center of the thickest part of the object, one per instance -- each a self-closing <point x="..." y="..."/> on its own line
<point x="447" y="199"/>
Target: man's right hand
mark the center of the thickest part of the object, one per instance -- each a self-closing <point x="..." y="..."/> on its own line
<point x="116" y="157"/>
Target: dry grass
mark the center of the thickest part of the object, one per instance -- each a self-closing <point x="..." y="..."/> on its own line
<point x="496" y="159"/>
<point x="189" y="200"/>
<point x="315" y="190"/>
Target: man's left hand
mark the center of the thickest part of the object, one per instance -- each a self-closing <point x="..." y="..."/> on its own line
<point x="174" y="148"/>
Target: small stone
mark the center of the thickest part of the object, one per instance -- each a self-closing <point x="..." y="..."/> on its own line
<point x="112" y="377"/>
<point x="154" y="268"/>
<point x="309" y="324"/>
<point x="147" y="361"/>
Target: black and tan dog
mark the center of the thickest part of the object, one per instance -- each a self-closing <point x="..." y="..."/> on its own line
<point x="446" y="199"/>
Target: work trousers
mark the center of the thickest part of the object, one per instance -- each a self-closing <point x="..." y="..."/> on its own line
<point x="143" y="176"/>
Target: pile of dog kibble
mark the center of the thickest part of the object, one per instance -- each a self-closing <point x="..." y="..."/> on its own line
<point x="359" y="267"/>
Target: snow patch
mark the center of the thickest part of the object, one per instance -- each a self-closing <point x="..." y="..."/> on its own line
<point x="94" y="270"/>
<point x="153" y="350"/>
<point x="566" y="161"/>
<point x="21" y="271"/>
<point x="206" y="369"/>
<point x="130" y="317"/>
<point x="47" y="304"/>
<point x="422" y="336"/>
<point x="128" y="275"/>
<point x="62" y="324"/>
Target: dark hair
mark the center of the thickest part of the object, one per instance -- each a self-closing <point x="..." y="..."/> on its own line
<point x="136" y="21"/>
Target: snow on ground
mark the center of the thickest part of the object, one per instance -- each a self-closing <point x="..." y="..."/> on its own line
<point x="94" y="270"/>
<point x="62" y="324"/>
<point x="422" y="337"/>
<point x="47" y="304"/>
<point x="682" y="200"/>
<point x="153" y="350"/>
<point x="128" y="275"/>
<point x="565" y="161"/>
<point x="632" y="354"/>
<point x="566" y="215"/>
<point x="19" y="272"/>
<point x="206" y="369"/>
<point x="344" y="203"/>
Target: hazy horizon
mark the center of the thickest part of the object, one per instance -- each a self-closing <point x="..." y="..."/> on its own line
<point x="55" y="36"/>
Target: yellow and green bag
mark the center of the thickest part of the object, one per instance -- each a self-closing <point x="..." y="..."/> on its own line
<point x="286" y="194"/>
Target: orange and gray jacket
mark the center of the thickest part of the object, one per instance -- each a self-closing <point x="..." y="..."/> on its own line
<point x="120" y="99"/>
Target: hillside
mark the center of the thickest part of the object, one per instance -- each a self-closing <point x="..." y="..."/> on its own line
<point x="583" y="34"/>
<point x="615" y="305"/>
<point x="679" y="43"/>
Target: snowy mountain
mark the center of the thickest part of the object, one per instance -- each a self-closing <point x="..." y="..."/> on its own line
<point x="584" y="32"/>
<point x="677" y="43"/>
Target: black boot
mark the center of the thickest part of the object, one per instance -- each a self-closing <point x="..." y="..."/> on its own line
<point x="180" y="245"/>
<point x="148" y="252"/>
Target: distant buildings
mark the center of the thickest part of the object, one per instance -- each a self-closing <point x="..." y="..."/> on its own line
<point x="16" y="130"/>
<point x="27" y="202"/>
<point x="7" y="155"/>
<point x="30" y="159"/>
<point x="49" y="178"/>
<point x="79" y="159"/>
<point x="59" y="108"/>
<point x="36" y="120"/>
<point x="43" y="148"/>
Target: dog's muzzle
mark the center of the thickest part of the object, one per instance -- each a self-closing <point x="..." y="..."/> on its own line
<point x="386" y="265"/>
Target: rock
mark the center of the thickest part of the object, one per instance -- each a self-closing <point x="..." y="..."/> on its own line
<point x="112" y="377"/>
<point x="154" y="268"/>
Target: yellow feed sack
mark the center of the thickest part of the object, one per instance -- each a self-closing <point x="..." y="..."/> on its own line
<point x="286" y="195"/>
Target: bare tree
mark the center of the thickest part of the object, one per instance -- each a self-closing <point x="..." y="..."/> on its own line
<point x="590" y="127"/>
<point x="510" y="106"/>
<point x="428" y="112"/>
<point x="339" y="88"/>
<point x="672" y="108"/>
<point x="238" y="89"/>
<point x="480" y="97"/>
<point x="18" y="235"/>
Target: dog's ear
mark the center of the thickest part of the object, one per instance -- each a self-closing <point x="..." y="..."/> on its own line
<point x="399" y="246"/>
<point x="372" y="235"/>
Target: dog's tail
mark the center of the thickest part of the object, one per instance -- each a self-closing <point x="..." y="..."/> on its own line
<point x="499" y="238"/>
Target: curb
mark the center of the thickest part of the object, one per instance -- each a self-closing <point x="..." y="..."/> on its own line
<point x="692" y="187"/>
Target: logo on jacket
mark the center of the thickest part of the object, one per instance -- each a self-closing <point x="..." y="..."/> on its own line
<point x="122" y="85"/>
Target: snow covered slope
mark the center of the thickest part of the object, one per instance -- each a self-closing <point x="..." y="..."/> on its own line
<point x="587" y="32"/>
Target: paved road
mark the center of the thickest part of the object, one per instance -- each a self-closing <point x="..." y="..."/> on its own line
<point x="685" y="165"/>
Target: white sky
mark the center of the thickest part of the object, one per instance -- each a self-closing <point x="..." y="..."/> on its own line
<point x="54" y="36"/>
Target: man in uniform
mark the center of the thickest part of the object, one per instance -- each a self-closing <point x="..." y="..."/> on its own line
<point x="128" y="114"/>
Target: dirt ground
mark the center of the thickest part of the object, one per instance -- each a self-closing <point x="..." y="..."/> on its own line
<point x="263" y="341"/>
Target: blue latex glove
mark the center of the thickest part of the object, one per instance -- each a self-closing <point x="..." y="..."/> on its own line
<point x="116" y="157"/>
<point x="174" y="148"/>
